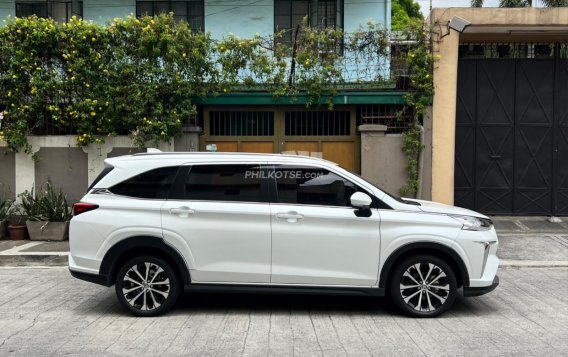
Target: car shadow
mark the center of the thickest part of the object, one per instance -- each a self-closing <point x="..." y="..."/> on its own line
<point x="283" y="302"/>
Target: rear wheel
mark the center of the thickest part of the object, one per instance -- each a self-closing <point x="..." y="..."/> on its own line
<point x="423" y="286"/>
<point x="147" y="286"/>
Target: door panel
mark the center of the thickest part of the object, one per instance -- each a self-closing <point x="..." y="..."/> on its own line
<point x="316" y="236"/>
<point x="230" y="241"/>
<point x="495" y="136"/>
<point x="221" y="212"/>
<point x="561" y="183"/>
<point x="534" y="144"/>
<point x="464" y="182"/>
<point x="327" y="246"/>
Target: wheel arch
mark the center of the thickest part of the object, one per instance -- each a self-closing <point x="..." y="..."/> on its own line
<point x="439" y="250"/>
<point x="142" y="245"/>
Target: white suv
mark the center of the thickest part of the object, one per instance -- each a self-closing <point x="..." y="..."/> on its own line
<point x="158" y="223"/>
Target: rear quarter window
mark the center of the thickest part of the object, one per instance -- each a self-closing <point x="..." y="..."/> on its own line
<point x="153" y="184"/>
<point x="103" y="173"/>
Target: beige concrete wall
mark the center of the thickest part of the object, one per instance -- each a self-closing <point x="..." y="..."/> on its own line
<point x="65" y="167"/>
<point x="382" y="160"/>
<point x="513" y="25"/>
<point x="68" y="166"/>
<point x="444" y="118"/>
<point x="7" y="174"/>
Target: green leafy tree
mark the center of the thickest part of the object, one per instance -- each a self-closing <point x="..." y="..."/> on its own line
<point x="405" y="14"/>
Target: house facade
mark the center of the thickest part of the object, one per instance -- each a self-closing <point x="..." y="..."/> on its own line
<point x="278" y="126"/>
<point x="247" y="121"/>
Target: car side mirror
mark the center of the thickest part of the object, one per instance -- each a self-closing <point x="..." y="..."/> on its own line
<point x="361" y="202"/>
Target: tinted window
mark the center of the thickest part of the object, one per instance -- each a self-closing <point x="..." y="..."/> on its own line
<point x="151" y="184"/>
<point x="103" y="173"/>
<point x="312" y="186"/>
<point x="224" y="183"/>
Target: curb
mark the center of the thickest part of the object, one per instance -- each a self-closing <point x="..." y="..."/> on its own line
<point x="34" y="260"/>
<point x="533" y="264"/>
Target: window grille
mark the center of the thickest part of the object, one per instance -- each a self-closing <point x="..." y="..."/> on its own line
<point x="234" y="123"/>
<point x="514" y="50"/>
<point x="317" y="123"/>
<point x="387" y="115"/>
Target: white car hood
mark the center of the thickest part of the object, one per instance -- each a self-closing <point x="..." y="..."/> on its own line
<point x="436" y="207"/>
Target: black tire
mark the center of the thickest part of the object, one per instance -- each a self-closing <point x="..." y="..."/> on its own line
<point x="147" y="286"/>
<point x="430" y="286"/>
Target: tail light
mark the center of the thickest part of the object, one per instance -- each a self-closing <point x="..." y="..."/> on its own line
<point x="82" y="207"/>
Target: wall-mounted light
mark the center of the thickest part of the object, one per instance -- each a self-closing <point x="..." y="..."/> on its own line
<point x="457" y="23"/>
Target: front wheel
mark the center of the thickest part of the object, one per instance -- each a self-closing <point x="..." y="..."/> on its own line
<point x="423" y="286"/>
<point x="147" y="286"/>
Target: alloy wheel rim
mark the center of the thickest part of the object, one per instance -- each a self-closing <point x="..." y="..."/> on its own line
<point x="424" y="287"/>
<point x="146" y="286"/>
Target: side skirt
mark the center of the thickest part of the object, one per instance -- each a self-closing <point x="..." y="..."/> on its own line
<point x="267" y="289"/>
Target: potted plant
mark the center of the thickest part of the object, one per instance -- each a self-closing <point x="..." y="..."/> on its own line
<point x="48" y="213"/>
<point x="16" y="230"/>
<point x="6" y="210"/>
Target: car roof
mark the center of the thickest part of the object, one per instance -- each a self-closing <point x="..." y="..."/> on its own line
<point x="200" y="157"/>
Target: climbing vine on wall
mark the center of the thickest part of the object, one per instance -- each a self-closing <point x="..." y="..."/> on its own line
<point x="138" y="76"/>
<point x="420" y="61"/>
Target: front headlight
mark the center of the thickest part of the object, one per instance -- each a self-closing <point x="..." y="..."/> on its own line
<point x="474" y="223"/>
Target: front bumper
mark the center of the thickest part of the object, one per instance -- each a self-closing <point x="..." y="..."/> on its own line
<point x="469" y="291"/>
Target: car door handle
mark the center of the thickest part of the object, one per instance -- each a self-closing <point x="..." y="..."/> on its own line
<point x="182" y="211"/>
<point x="291" y="216"/>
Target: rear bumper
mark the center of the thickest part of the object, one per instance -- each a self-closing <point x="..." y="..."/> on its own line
<point x="92" y="278"/>
<point x="469" y="291"/>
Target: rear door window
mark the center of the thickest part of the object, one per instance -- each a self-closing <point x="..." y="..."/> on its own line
<point x="230" y="183"/>
<point x="153" y="184"/>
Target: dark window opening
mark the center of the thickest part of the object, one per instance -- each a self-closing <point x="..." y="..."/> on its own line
<point x="154" y="184"/>
<point x="318" y="123"/>
<point x="191" y="11"/>
<point x="59" y="10"/>
<point x="289" y="14"/>
<point x="254" y="123"/>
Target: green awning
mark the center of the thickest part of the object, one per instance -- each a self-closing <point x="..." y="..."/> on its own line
<point x="263" y="98"/>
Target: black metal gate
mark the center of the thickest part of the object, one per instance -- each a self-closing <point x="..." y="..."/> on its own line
<point x="512" y="135"/>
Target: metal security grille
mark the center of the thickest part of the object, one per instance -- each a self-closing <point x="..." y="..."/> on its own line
<point x="384" y="115"/>
<point x="513" y="50"/>
<point x="317" y="123"/>
<point x="511" y="137"/>
<point x="237" y="123"/>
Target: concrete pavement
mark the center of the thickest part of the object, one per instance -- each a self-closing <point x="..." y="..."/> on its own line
<point x="44" y="311"/>
<point x="523" y="242"/>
